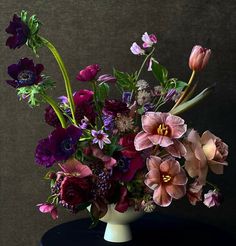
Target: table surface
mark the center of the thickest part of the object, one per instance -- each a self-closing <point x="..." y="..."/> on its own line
<point x="150" y="229"/>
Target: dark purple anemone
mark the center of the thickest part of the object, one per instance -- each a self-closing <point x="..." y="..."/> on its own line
<point x="64" y="141"/>
<point x="20" y="33"/>
<point x="25" y="73"/>
<point x="51" y="117"/>
<point x="44" y="153"/>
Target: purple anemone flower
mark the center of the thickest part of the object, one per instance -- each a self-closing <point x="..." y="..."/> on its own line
<point x="44" y="153"/>
<point x="25" y="73"/>
<point x="64" y="141"/>
<point x="20" y="33"/>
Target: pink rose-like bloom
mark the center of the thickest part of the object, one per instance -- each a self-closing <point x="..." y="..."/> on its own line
<point x="82" y="96"/>
<point x="48" y="208"/>
<point x="199" y="58"/>
<point x="161" y="129"/>
<point x="148" y="40"/>
<point x="89" y="73"/>
<point x="212" y="198"/>
<point x="136" y="49"/>
<point x="167" y="179"/>
<point x="194" y="193"/>
<point x="203" y="152"/>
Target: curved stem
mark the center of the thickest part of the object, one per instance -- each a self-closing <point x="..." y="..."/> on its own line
<point x="186" y="90"/>
<point x="145" y="60"/>
<point x="58" y="58"/>
<point x="58" y="112"/>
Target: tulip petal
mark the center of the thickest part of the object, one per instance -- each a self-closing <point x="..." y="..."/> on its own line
<point x="141" y="141"/>
<point x="170" y="166"/>
<point x="176" y="191"/>
<point x="180" y="179"/>
<point x="161" y="197"/>
<point x="209" y="149"/>
<point x="153" y="162"/>
<point x="177" y="149"/>
<point x="163" y="141"/>
<point x="149" y="123"/>
<point x="152" y="179"/>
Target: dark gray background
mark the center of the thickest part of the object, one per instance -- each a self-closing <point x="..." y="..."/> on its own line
<point x="89" y="31"/>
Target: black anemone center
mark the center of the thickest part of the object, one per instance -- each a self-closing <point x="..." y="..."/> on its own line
<point x="67" y="145"/>
<point x="26" y="77"/>
<point x="124" y="164"/>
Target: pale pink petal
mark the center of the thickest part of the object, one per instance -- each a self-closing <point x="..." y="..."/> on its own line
<point x="206" y="136"/>
<point x="193" y="137"/>
<point x="106" y="140"/>
<point x="217" y="167"/>
<point x="153" y="162"/>
<point x="100" y="144"/>
<point x="198" y="151"/>
<point x="150" y="123"/>
<point x="163" y="141"/>
<point x="177" y="149"/>
<point x="178" y="130"/>
<point x="176" y="191"/>
<point x="83" y="170"/>
<point x="110" y="163"/>
<point x="170" y="166"/>
<point x="152" y="179"/>
<point x="192" y="167"/>
<point x="209" y="149"/>
<point x="180" y="179"/>
<point x="141" y="141"/>
<point x="54" y="214"/>
<point x="202" y="175"/>
<point x="161" y="197"/>
<point x="173" y="120"/>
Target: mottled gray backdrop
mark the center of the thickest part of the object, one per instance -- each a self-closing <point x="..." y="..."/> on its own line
<point x="89" y="31"/>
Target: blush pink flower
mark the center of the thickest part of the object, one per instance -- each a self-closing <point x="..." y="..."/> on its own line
<point x="48" y="208"/>
<point x="212" y="198"/>
<point x="167" y="179"/>
<point x="136" y="49"/>
<point x="161" y="129"/>
<point x="148" y="40"/>
<point x="203" y="152"/>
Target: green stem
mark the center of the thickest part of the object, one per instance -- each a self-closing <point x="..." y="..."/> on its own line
<point x="212" y="185"/>
<point x="145" y="60"/>
<point x="186" y="90"/>
<point x="58" y="112"/>
<point x="60" y="62"/>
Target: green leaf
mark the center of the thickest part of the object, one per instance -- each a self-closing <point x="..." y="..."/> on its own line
<point x="125" y="81"/>
<point x="102" y="92"/>
<point x="160" y="72"/>
<point x="180" y="85"/>
<point x="186" y="105"/>
<point x="83" y="206"/>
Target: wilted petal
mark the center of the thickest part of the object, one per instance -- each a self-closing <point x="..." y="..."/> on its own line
<point x="177" y="149"/>
<point x="217" y="167"/>
<point x="141" y="141"/>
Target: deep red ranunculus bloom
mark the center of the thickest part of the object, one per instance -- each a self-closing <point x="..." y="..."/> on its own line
<point x="75" y="190"/>
<point x="113" y="107"/>
<point x="89" y="73"/>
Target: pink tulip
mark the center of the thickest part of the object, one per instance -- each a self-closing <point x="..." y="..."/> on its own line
<point x="199" y="58"/>
<point x="48" y="208"/>
<point x="161" y="129"/>
<point x="203" y="152"/>
<point x="167" y="179"/>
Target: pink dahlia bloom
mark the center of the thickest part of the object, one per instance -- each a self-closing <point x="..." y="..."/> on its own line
<point x="161" y="129"/>
<point x="167" y="179"/>
<point x="203" y="152"/>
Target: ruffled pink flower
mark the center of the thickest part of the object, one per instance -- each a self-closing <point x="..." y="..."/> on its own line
<point x="136" y="49"/>
<point x="167" y="179"/>
<point x="148" y="40"/>
<point x="194" y="193"/>
<point x="203" y="152"/>
<point x="212" y="198"/>
<point x="82" y="96"/>
<point x="161" y="129"/>
<point x="88" y="73"/>
<point x="48" y="208"/>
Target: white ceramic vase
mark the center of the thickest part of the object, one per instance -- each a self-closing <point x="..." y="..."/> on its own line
<point x="117" y="228"/>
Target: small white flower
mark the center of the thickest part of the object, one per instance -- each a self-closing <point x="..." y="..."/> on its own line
<point x="142" y="84"/>
<point x="143" y="97"/>
<point x="124" y="123"/>
<point x="100" y="137"/>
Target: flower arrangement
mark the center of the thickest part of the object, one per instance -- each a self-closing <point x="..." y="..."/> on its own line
<point x="134" y="151"/>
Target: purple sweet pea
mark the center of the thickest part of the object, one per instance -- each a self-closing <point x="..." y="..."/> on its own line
<point x="107" y="78"/>
<point x="20" y="33"/>
<point x="136" y="49"/>
<point x="89" y="73"/>
<point x="64" y="141"/>
<point x="25" y="73"/>
<point x="148" y="40"/>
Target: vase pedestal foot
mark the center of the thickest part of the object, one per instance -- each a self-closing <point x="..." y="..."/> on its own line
<point x="117" y="233"/>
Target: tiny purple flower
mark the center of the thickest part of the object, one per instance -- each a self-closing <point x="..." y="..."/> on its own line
<point x="107" y="78"/>
<point x="126" y="97"/>
<point x="84" y="123"/>
<point x="170" y="94"/>
<point x="63" y="99"/>
<point x="100" y="137"/>
<point x="108" y="121"/>
<point x="148" y="40"/>
<point x="136" y="49"/>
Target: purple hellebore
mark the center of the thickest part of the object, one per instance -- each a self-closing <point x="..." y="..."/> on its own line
<point x="20" y="33"/>
<point x="25" y="73"/>
<point x="89" y="73"/>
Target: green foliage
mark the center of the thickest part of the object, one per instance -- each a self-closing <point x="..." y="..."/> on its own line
<point x="102" y="92"/>
<point x="160" y="72"/>
<point x="34" y="41"/>
<point x="32" y="93"/>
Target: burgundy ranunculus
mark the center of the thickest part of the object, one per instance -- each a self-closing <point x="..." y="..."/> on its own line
<point x="75" y="190"/>
<point x="82" y="96"/>
<point x="89" y="73"/>
<point x="64" y="141"/>
<point x="113" y="107"/>
<point x="25" y="73"/>
<point x="44" y="153"/>
<point x="123" y="204"/>
<point x="51" y="117"/>
<point x="127" y="142"/>
<point x="20" y="33"/>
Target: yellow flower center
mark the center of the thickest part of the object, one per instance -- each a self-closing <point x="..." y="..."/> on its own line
<point x="162" y="130"/>
<point x="166" y="178"/>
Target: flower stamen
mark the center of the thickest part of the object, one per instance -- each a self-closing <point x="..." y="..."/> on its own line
<point x="162" y="130"/>
<point x="166" y="178"/>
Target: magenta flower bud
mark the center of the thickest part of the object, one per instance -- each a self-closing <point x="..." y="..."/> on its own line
<point x="106" y="78"/>
<point x="199" y="58"/>
<point x="136" y="49"/>
<point x="89" y="73"/>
